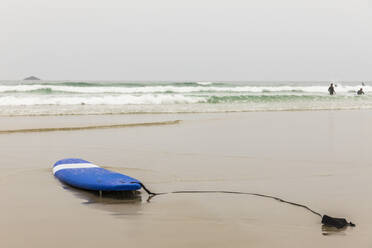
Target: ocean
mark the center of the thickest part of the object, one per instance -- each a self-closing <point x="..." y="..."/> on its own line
<point x="24" y="98"/>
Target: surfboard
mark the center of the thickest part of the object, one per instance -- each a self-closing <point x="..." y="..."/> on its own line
<point x="82" y="174"/>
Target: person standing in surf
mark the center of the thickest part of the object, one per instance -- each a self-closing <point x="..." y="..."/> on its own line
<point x="331" y="90"/>
<point x="360" y="91"/>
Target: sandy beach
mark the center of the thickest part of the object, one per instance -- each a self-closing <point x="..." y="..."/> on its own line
<point x="318" y="158"/>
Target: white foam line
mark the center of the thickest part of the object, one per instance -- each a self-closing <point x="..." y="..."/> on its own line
<point x="73" y="166"/>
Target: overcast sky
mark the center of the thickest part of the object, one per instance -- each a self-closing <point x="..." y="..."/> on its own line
<point x="186" y="39"/>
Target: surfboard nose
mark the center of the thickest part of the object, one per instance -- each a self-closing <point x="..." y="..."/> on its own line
<point x="71" y="161"/>
<point x="86" y="175"/>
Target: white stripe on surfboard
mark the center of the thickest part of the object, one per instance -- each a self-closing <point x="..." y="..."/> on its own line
<point x="73" y="166"/>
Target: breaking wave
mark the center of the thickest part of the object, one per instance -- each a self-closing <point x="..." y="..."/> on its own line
<point x="53" y="98"/>
<point x="207" y="88"/>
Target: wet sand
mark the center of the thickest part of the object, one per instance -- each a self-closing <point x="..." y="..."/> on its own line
<point x="320" y="159"/>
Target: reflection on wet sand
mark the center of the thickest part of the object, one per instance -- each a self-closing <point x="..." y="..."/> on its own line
<point x="117" y="203"/>
<point x="329" y="230"/>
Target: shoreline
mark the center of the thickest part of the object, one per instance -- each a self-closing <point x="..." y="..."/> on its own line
<point x="36" y="123"/>
<point x="356" y="108"/>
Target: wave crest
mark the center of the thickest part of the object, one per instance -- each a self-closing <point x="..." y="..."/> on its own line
<point x="173" y="89"/>
<point x="98" y="100"/>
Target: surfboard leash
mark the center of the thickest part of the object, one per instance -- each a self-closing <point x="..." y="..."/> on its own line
<point x="326" y="219"/>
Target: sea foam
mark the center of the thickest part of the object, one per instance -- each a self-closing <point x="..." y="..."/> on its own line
<point x="23" y="98"/>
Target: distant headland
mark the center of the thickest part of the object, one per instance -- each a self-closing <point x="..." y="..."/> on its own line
<point x="31" y="78"/>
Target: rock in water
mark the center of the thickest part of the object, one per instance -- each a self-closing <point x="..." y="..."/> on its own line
<point x="31" y="78"/>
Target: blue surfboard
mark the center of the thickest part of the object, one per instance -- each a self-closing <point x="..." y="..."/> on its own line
<point x="82" y="174"/>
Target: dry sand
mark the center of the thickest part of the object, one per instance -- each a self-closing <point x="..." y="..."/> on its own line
<point x="321" y="159"/>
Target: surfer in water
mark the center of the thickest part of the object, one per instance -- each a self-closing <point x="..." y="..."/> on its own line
<point x="331" y="90"/>
<point x="360" y="91"/>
